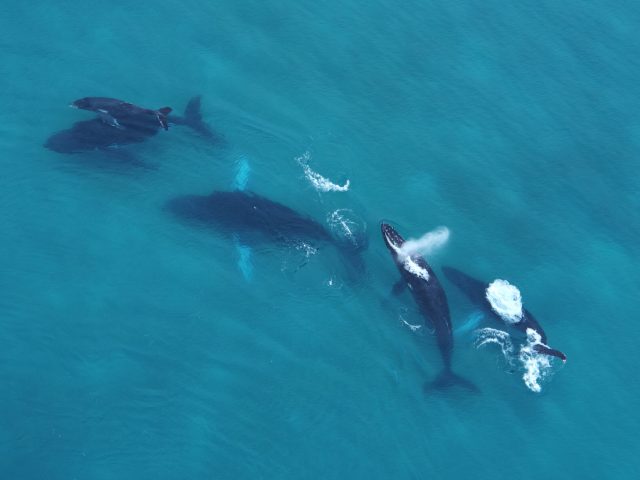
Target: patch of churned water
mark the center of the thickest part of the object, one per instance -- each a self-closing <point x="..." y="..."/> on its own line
<point x="536" y="367"/>
<point x="505" y="300"/>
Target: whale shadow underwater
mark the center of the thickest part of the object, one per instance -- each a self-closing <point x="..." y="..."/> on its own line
<point x="119" y="124"/>
<point x="427" y="292"/>
<point x="475" y="290"/>
<point x="253" y="219"/>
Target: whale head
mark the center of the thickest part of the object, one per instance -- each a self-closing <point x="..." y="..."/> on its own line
<point x="392" y="239"/>
<point x="82" y="103"/>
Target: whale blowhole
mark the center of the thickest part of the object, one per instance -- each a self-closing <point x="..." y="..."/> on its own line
<point x="505" y="300"/>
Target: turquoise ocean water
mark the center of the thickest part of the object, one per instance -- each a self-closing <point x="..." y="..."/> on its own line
<point x="133" y="346"/>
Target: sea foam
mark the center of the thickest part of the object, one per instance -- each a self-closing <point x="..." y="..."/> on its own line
<point x="505" y="300"/>
<point x="320" y="183"/>
<point x="535" y="367"/>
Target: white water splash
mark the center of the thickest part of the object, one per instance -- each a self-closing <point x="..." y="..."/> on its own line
<point x="339" y="220"/>
<point x="346" y="225"/>
<point x="505" y="300"/>
<point x="307" y="249"/>
<point x="319" y="182"/>
<point x="426" y="244"/>
<point x="487" y="336"/>
<point x="536" y="367"/>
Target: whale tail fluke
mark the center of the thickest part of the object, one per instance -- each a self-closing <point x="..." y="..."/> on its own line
<point x="193" y="118"/>
<point x="540" y="348"/>
<point x="447" y="379"/>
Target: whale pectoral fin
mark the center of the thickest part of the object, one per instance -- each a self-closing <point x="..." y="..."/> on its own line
<point x="471" y="323"/>
<point x="544" y="349"/>
<point x="109" y="119"/>
<point x="398" y="287"/>
<point x="244" y="258"/>
<point x="243" y="169"/>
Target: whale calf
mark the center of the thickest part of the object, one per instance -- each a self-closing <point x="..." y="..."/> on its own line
<point x="112" y="128"/>
<point x="117" y="113"/>
<point x="250" y="219"/>
<point x="417" y="275"/>
<point x="475" y="290"/>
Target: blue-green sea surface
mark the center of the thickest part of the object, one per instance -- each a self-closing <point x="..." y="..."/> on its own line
<point x="134" y="345"/>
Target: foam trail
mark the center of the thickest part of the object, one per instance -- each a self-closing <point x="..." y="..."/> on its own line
<point x="243" y="169"/>
<point x="320" y="183"/>
<point x="505" y="300"/>
<point x="471" y="323"/>
<point x="426" y="244"/>
<point x="486" y="336"/>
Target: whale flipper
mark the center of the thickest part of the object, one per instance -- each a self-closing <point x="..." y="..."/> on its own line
<point x="472" y="322"/>
<point x="540" y="348"/>
<point x="244" y="258"/>
<point x="244" y="251"/>
<point x="162" y="116"/>
<point x="109" y="119"/>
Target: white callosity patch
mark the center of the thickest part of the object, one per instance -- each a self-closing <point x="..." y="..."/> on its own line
<point x="425" y="245"/>
<point x="319" y="182"/>
<point x="505" y="300"/>
<point x="412" y="267"/>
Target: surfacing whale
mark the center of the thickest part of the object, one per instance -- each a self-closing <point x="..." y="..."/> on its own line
<point x="475" y="290"/>
<point x="254" y="219"/>
<point x="417" y="275"/>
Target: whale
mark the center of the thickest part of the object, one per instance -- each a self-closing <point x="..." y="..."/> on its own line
<point x="118" y="113"/>
<point x="475" y="290"/>
<point x="112" y="129"/>
<point x="427" y="292"/>
<point x="250" y="219"/>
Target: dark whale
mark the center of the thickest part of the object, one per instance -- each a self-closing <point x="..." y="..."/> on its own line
<point x="117" y="113"/>
<point x="417" y="275"/>
<point x="475" y="290"/>
<point x="107" y="132"/>
<point x="256" y="219"/>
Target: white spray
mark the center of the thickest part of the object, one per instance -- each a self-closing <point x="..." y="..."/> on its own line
<point x="426" y="244"/>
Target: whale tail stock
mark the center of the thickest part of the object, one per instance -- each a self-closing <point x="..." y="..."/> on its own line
<point x="540" y="348"/>
<point x="446" y="379"/>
